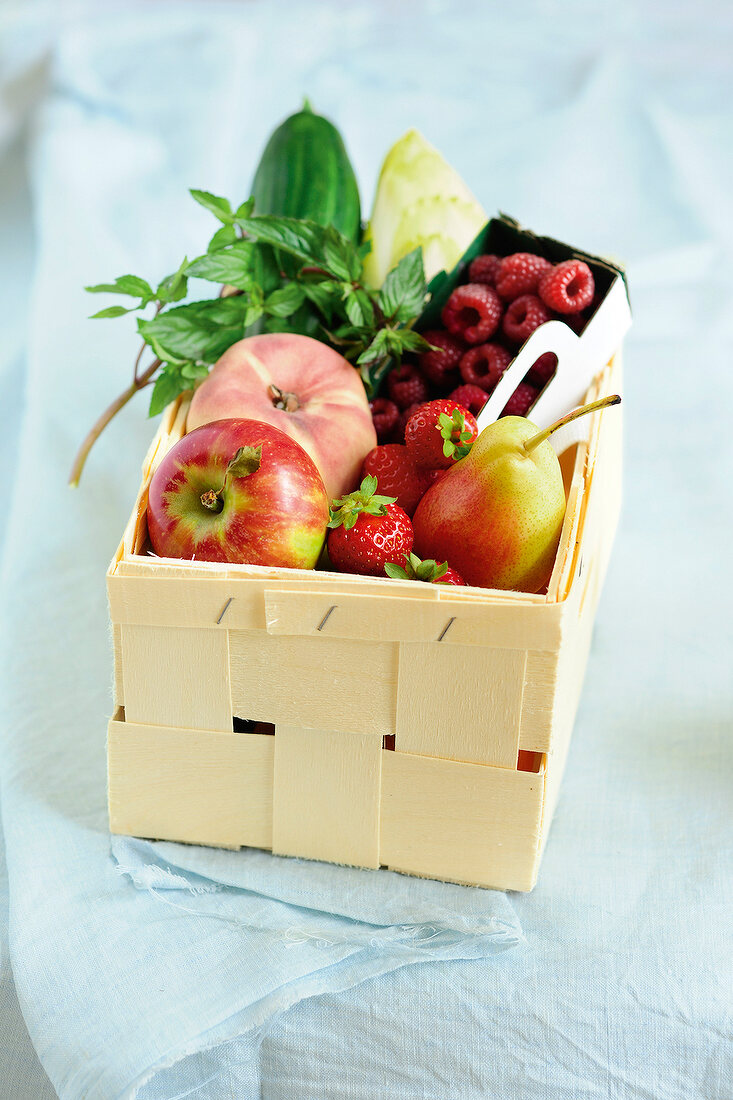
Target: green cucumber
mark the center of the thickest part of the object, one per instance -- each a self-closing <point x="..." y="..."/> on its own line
<point x="305" y="172"/>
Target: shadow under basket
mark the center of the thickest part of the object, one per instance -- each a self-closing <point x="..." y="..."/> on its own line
<point x="361" y="721"/>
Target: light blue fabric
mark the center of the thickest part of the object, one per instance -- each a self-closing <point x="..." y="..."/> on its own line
<point x="163" y="971"/>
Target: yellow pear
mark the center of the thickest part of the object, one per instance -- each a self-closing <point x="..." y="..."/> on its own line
<point x="496" y="516"/>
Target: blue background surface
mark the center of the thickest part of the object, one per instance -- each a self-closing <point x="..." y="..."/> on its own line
<point x="170" y="971"/>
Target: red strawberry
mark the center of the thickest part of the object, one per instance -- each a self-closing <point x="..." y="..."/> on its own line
<point x="440" y="433"/>
<point x="430" y="571"/>
<point x="397" y="475"/>
<point x="367" y="531"/>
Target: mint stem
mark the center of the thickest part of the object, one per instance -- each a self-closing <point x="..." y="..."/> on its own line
<point x="109" y="414"/>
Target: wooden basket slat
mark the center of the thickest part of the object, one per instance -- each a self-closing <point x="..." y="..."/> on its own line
<point x="183" y="784"/>
<point x="327" y="683"/>
<point x="460" y="702"/>
<point x="462" y="822"/>
<point x="394" y="618"/>
<point x="327" y="795"/>
<point x="176" y="677"/>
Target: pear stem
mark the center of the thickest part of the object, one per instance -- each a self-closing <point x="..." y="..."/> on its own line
<point x="604" y="403"/>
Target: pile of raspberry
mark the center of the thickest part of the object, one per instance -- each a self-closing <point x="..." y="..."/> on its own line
<point x="486" y="320"/>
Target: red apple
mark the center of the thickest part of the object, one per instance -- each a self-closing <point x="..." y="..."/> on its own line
<point x="238" y="491"/>
<point x="303" y="387"/>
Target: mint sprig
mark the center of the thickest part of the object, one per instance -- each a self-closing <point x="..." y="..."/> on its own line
<point x="277" y="275"/>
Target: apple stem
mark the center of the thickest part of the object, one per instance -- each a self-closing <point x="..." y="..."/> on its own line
<point x="212" y="500"/>
<point x="603" y="403"/>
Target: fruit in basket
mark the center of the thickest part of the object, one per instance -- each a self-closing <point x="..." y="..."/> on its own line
<point x="304" y="388"/>
<point x="473" y="312"/>
<point x="305" y="172"/>
<point x="367" y="531"/>
<point x="238" y="491"/>
<point x="432" y="572"/>
<point x="440" y="433"/>
<point x="567" y="287"/>
<point x="484" y="365"/>
<point x="497" y="515"/>
<point x="385" y="417"/>
<point x="397" y="475"/>
<point x="420" y="200"/>
<point x="519" y="274"/>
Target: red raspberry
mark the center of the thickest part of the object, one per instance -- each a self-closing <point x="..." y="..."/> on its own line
<point x="473" y="311"/>
<point x="472" y="398"/>
<point x="521" y="400"/>
<point x="385" y="417"/>
<point x="404" y="417"/>
<point x="367" y="531"/>
<point x="397" y="475"/>
<point x="483" y="366"/>
<point x="440" y="433"/>
<point x="483" y="270"/>
<point x="406" y="386"/>
<point x="520" y="274"/>
<point x="567" y="287"/>
<point x="543" y="370"/>
<point x="523" y="316"/>
<point x="440" y="366"/>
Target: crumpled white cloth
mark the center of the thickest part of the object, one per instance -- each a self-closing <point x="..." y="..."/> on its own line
<point x="163" y="970"/>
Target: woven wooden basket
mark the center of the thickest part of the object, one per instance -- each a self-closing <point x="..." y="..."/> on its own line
<point x="369" y="722"/>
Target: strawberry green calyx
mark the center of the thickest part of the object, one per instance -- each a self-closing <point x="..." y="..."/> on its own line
<point x="456" y="438"/>
<point x="416" y="570"/>
<point x="364" y="500"/>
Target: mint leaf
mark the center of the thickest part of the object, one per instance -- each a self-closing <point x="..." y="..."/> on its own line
<point x="253" y="313"/>
<point x="219" y="207"/>
<point x="244" y="210"/>
<point x="340" y="257"/>
<point x="359" y="308"/>
<point x="175" y="286"/>
<point x="284" y="302"/>
<point x="228" y="265"/>
<point x="223" y="237"/>
<point x="200" y="331"/>
<point x="322" y="297"/>
<point x="168" y="385"/>
<point x="112" y="311"/>
<point x="411" y="341"/>
<point x="376" y="349"/>
<point x="403" y="294"/>
<point x="298" y="237"/>
<point x="130" y="285"/>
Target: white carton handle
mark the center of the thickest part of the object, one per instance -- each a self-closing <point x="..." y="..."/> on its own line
<point x="579" y="359"/>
